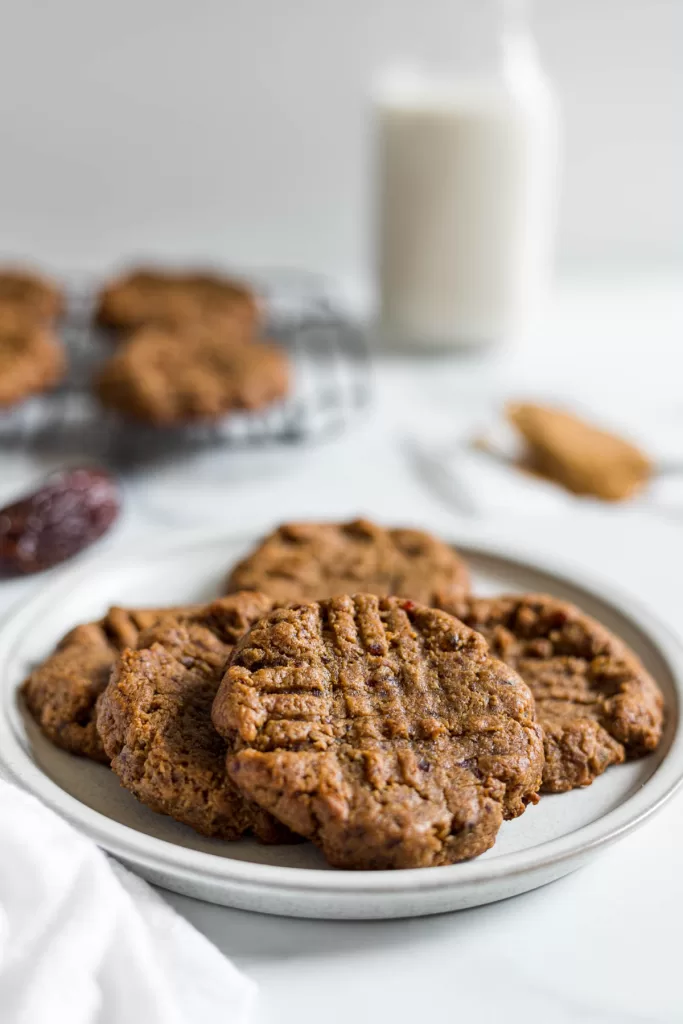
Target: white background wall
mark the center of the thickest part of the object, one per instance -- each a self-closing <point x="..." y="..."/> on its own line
<point x="237" y="128"/>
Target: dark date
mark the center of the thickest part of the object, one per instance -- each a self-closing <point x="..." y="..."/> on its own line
<point x="72" y="510"/>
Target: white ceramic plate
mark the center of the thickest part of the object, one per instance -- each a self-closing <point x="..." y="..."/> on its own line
<point x="548" y="841"/>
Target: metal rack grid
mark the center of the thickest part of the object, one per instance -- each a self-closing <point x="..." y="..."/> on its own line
<point x="331" y="386"/>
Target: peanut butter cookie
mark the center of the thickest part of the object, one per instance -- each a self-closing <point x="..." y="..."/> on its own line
<point x="596" y="703"/>
<point x="172" y="376"/>
<point x="577" y="455"/>
<point x="155" y="721"/>
<point x="381" y="729"/>
<point x="148" y="296"/>
<point x="61" y="693"/>
<point x="31" y="294"/>
<point x="312" y="561"/>
<point x="32" y="358"/>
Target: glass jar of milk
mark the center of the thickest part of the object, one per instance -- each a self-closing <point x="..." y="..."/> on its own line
<point x="467" y="173"/>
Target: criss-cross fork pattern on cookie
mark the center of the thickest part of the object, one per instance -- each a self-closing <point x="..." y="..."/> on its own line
<point x="154" y="719"/>
<point x="381" y="729"/>
<point x="595" y="701"/>
<point x="61" y="693"/>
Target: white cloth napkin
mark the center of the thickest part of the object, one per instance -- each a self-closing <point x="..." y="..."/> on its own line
<point x="83" y="941"/>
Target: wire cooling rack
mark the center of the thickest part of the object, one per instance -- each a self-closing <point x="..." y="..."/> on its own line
<point x="331" y="386"/>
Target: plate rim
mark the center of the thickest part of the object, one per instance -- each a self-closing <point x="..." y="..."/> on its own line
<point x="153" y="854"/>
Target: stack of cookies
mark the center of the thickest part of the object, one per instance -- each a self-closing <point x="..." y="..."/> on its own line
<point x="187" y="345"/>
<point x="349" y="690"/>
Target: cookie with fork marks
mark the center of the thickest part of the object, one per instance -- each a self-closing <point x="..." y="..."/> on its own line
<point x="380" y="729"/>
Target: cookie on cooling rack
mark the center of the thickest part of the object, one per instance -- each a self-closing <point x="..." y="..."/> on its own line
<point x="154" y="296"/>
<point x="31" y="294"/>
<point x="155" y="721"/>
<point x="32" y="358"/>
<point x="595" y="701"/>
<point x="381" y="729"/>
<point x="62" y="692"/>
<point x="311" y="561"/>
<point x="173" y="376"/>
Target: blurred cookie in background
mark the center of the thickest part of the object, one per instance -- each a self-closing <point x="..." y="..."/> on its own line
<point x="581" y="457"/>
<point x="32" y="358"/>
<point x="313" y="561"/>
<point x="156" y="296"/>
<point x="29" y="294"/>
<point x="173" y="376"/>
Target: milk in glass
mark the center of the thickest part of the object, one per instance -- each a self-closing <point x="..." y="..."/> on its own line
<point x="466" y="175"/>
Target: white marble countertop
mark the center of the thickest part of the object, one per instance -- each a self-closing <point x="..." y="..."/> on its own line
<point x="601" y="945"/>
